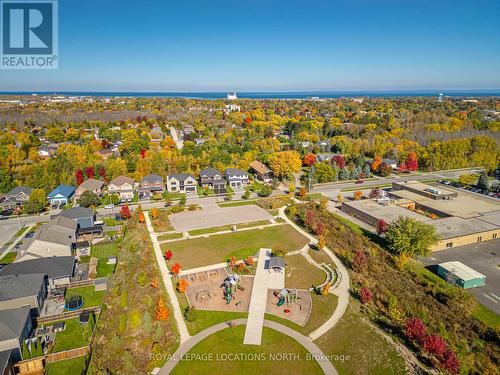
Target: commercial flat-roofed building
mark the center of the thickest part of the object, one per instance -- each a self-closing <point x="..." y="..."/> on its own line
<point x="461" y="275"/>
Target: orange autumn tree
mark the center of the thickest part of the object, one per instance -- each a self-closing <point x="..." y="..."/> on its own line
<point x="241" y="266"/>
<point x="357" y="195"/>
<point x="249" y="261"/>
<point x="321" y="242"/>
<point x="141" y="217"/>
<point x="175" y="269"/>
<point x="161" y="312"/>
<point x="154" y="213"/>
<point x="232" y="261"/>
<point x="181" y="285"/>
<point x="377" y="160"/>
<point x="154" y="283"/>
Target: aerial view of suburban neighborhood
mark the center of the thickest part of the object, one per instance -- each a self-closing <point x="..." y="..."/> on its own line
<point x="168" y="206"/>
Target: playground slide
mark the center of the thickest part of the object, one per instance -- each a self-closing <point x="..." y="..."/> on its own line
<point x="280" y="302"/>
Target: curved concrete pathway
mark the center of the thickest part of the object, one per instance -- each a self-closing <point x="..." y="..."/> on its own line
<point x="342" y="289"/>
<point x="185" y="347"/>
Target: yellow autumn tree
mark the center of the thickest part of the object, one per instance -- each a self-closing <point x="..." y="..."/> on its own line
<point x="285" y="163"/>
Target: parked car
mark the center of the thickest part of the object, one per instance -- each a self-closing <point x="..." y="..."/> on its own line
<point x="109" y="206"/>
<point x="359" y="182"/>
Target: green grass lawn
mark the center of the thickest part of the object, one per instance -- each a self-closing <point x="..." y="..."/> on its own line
<point x="301" y="274"/>
<point x="103" y="251"/>
<point x="485" y="315"/>
<point x="111" y="221"/>
<point x="320" y="256"/>
<point x="9" y="257"/>
<point x="369" y="353"/>
<point x="75" y="335"/>
<point x="238" y="203"/>
<point x="173" y="196"/>
<point x="69" y="366"/>
<point x="91" y="298"/>
<point x="198" y="232"/>
<point x="170" y="236"/>
<point x="218" y="248"/>
<point x="230" y="341"/>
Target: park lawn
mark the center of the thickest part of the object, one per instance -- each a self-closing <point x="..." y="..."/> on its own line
<point x="301" y="274"/>
<point x="369" y="352"/>
<point x="91" y="298"/>
<point x="68" y="366"/>
<point x="103" y="251"/>
<point x="322" y="308"/>
<point x="219" y="248"/>
<point x="9" y="257"/>
<point x="169" y="236"/>
<point x="230" y="341"/>
<point x="320" y="256"/>
<point x="75" y="335"/>
<point x="238" y="203"/>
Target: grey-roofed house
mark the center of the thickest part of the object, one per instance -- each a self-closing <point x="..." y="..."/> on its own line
<point x="320" y="158"/>
<point x="236" y="177"/>
<point x="390" y="162"/>
<point x="181" y="183"/>
<point x="55" y="238"/>
<point x="23" y="290"/>
<point x="92" y="185"/>
<point x="15" y="325"/>
<point x="275" y="263"/>
<point x="84" y="217"/>
<point x="212" y="178"/>
<point x="16" y="197"/>
<point x="262" y="172"/>
<point x="150" y="185"/>
<point x="59" y="270"/>
<point x="123" y="186"/>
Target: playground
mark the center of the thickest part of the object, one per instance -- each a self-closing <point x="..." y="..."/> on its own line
<point x="218" y="290"/>
<point x="291" y="304"/>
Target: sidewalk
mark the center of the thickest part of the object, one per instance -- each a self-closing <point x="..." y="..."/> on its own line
<point x="167" y="281"/>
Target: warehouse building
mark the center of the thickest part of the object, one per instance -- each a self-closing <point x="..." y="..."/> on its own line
<point x="461" y="275"/>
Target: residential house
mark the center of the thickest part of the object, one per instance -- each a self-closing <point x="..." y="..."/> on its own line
<point x="61" y="195"/>
<point x="16" y="197"/>
<point x="23" y="290"/>
<point x="92" y="185"/>
<point x="187" y="129"/>
<point x="236" y="177"/>
<point x="55" y="238"/>
<point x="181" y="183"/>
<point x="6" y="362"/>
<point x="105" y="153"/>
<point x="390" y="162"/>
<point x="212" y="178"/>
<point x="44" y="152"/>
<point x="15" y="326"/>
<point x="199" y="141"/>
<point x="150" y="185"/>
<point x="58" y="270"/>
<point x="262" y="172"/>
<point x="320" y="158"/>
<point x="156" y="134"/>
<point x="85" y="219"/>
<point x="123" y="186"/>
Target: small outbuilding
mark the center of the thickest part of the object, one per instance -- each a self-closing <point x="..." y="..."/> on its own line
<point x="275" y="263"/>
<point x="461" y="275"/>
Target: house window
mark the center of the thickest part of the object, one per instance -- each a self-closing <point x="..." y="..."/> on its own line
<point x="494" y="236"/>
<point x="479" y="239"/>
<point x="449" y="244"/>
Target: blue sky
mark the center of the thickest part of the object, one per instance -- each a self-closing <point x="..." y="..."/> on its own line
<point x="257" y="45"/>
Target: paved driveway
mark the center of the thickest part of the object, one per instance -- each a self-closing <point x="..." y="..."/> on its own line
<point x="214" y="216"/>
<point x="484" y="258"/>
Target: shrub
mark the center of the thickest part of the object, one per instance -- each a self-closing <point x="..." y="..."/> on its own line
<point x="277" y="252"/>
<point x="360" y="261"/>
<point x="434" y="344"/>
<point x="265" y="191"/>
<point x="415" y="330"/>
<point x="365" y="295"/>
<point x="142" y="279"/>
<point x="450" y="362"/>
<point x="190" y="314"/>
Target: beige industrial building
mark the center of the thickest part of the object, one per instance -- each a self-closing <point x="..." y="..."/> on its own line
<point x="460" y="218"/>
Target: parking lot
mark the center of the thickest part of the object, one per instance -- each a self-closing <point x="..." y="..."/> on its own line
<point x="484" y="258"/>
<point x="214" y="216"/>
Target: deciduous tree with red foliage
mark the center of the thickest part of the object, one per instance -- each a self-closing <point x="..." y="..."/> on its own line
<point x="143" y="153"/>
<point x="412" y="161"/>
<point x="382" y="227"/>
<point x="175" y="269"/>
<point x="319" y="228"/>
<point x="90" y="172"/>
<point x="79" y="176"/>
<point x="450" y="362"/>
<point x="365" y="295"/>
<point x="125" y="212"/>
<point x="339" y="161"/>
<point x="102" y="172"/>
<point x="309" y="160"/>
<point x="310" y="219"/>
<point x="435" y="344"/>
<point x="360" y="261"/>
<point x="415" y="330"/>
<point x="168" y="254"/>
<point x="375" y="193"/>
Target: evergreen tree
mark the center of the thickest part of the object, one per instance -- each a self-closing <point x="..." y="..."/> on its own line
<point x="25" y="351"/>
<point x="367" y="171"/>
<point x="482" y="182"/>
